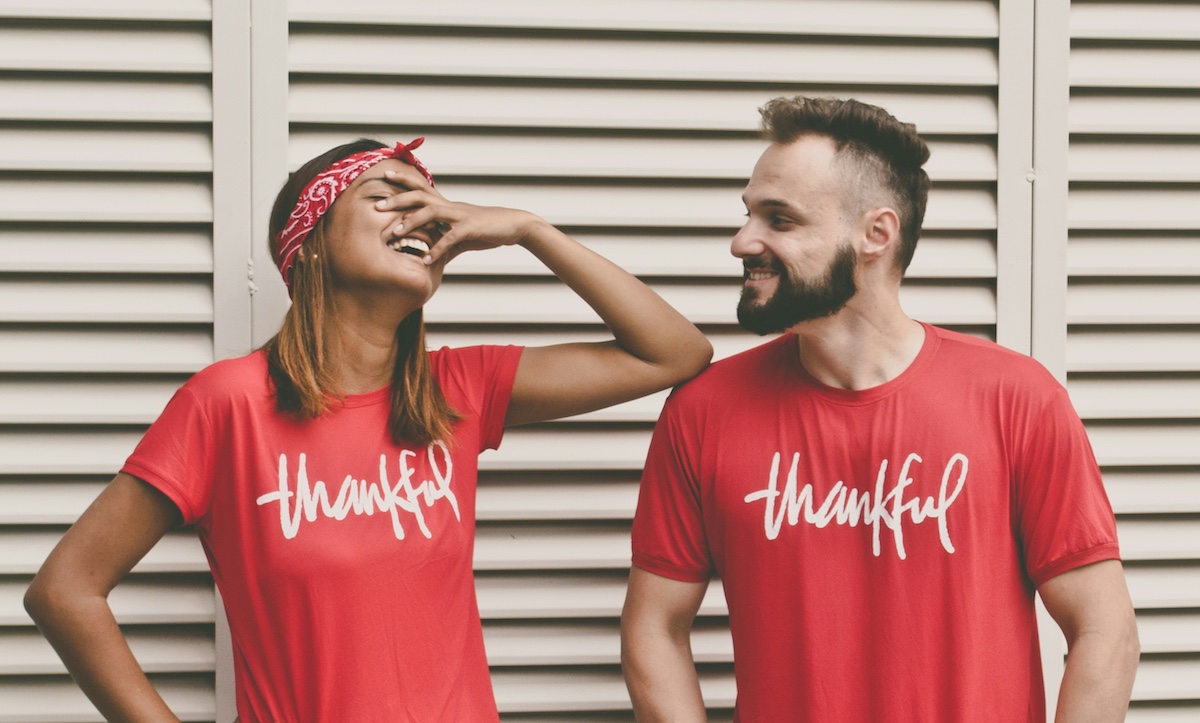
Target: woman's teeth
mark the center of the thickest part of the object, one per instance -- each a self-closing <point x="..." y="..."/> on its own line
<point x="414" y="246"/>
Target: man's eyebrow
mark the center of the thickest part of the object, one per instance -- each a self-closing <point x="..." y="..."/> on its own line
<point x="775" y="204"/>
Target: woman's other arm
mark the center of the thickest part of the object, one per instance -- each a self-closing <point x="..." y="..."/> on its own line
<point x="68" y="598"/>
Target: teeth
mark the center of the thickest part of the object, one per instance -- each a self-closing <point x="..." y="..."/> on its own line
<point x="759" y="275"/>
<point x="415" y="244"/>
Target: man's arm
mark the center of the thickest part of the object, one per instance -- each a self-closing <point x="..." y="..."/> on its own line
<point x="656" y="648"/>
<point x="1091" y="604"/>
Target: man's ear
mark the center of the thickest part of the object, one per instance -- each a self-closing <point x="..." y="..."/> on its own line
<point x="881" y="232"/>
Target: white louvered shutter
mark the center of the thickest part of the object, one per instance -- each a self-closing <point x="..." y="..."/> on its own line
<point x="1133" y="311"/>
<point x="106" y="305"/>
<point x="633" y="126"/>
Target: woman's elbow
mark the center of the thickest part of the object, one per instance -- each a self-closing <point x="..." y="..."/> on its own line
<point x="46" y="600"/>
<point x="693" y="357"/>
<point x="39" y="600"/>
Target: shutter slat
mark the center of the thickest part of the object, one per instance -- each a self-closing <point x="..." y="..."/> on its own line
<point x="1103" y="111"/>
<point x="126" y="150"/>
<point x="110" y="10"/>
<point x="565" y="447"/>
<point x="1146" y="444"/>
<point x="557" y="498"/>
<point x="586" y="643"/>
<point x="525" y="547"/>
<point x="132" y="249"/>
<point x="25" y="701"/>
<point x="1133" y="207"/>
<point x="121" y="300"/>
<point x="1135" y="20"/>
<point x="93" y="450"/>
<point x="1159" y="539"/>
<point x="1131" y="350"/>
<point x="423" y="107"/>
<point x="1169" y="631"/>
<point x="624" y="157"/>
<point x="1158" y="586"/>
<point x="1104" y="302"/>
<point x="75" y="98"/>
<point x="402" y="53"/>
<point x="566" y="595"/>
<point x="138" y="600"/>
<point x="529" y="303"/>
<point x="24" y="652"/>
<point x="1111" y="65"/>
<point x="1160" y="713"/>
<point x="84" y="400"/>
<point x="149" y="50"/>
<point x="1131" y="256"/>
<point x="22" y="552"/>
<point x="587" y="689"/>
<point x="1152" y="490"/>
<point x="123" y="349"/>
<point x="105" y="199"/>
<point x="938" y="256"/>
<point x="1163" y="161"/>
<point x="1135" y="398"/>
<point x="45" y="501"/>
<point x="957" y="207"/>
<point x="911" y="18"/>
<point x="1173" y="679"/>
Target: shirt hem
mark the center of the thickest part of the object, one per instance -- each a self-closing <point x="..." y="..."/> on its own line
<point x="164" y="486"/>
<point x="1099" y="553"/>
<point x="674" y="573"/>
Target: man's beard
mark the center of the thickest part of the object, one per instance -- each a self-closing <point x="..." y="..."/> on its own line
<point x="795" y="301"/>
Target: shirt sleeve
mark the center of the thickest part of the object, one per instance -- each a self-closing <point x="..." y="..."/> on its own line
<point x="668" y="527"/>
<point x="484" y="377"/>
<point x="1064" y="517"/>
<point x="176" y="455"/>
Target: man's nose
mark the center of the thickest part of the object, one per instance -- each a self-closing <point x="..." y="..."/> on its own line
<point x="746" y="242"/>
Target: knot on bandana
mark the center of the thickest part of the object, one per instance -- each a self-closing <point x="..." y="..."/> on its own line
<point x="320" y="193"/>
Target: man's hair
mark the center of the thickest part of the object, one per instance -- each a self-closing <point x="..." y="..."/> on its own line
<point x="878" y="153"/>
<point x="297" y="359"/>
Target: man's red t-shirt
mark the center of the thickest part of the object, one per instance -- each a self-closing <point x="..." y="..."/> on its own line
<point x="344" y="560"/>
<point x="879" y="549"/>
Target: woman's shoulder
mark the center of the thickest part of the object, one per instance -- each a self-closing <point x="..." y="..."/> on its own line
<point x="231" y="377"/>
<point x="471" y="360"/>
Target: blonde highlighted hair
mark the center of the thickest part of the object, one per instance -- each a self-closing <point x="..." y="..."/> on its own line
<point x="298" y="361"/>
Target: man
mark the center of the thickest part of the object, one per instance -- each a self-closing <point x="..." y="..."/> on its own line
<point x="880" y="497"/>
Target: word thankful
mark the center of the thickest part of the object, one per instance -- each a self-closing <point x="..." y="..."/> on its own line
<point x="848" y="506"/>
<point x="361" y="497"/>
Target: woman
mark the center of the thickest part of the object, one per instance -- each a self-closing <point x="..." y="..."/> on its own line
<point x="331" y="474"/>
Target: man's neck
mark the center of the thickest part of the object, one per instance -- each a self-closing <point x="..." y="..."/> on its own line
<point x="859" y="348"/>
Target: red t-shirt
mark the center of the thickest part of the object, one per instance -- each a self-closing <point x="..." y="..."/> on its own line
<point x="344" y="560"/>
<point x="879" y="548"/>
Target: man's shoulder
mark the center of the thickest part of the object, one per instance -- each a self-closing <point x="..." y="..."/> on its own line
<point x="964" y="347"/>
<point x="725" y="378"/>
<point x="983" y="362"/>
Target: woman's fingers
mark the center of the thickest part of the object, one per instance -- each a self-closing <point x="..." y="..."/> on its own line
<point x="420" y="218"/>
<point x="406" y="200"/>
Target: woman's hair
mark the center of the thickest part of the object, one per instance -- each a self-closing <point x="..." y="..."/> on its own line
<point x="297" y="358"/>
<point x="883" y="154"/>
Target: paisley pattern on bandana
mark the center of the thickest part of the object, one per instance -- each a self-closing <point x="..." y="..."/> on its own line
<point x="320" y="193"/>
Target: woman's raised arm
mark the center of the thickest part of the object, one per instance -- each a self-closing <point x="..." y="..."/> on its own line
<point x="654" y="346"/>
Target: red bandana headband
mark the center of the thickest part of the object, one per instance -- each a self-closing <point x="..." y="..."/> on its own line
<point x="320" y="193"/>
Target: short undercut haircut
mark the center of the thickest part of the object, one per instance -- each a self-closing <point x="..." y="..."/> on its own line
<point x="881" y="157"/>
